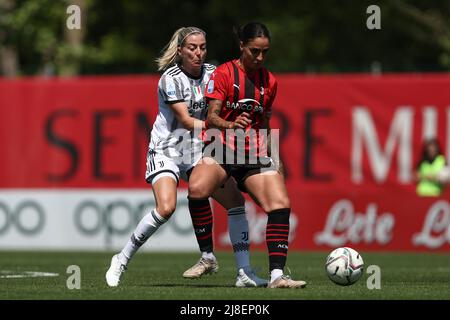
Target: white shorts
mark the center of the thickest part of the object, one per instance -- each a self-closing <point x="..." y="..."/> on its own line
<point x="159" y="164"/>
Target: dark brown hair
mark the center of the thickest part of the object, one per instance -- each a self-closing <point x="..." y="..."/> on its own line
<point x="251" y="31"/>
<point x="425" y="156"/>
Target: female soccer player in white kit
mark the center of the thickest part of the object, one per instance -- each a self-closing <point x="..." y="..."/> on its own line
<point x="174" y="150"/>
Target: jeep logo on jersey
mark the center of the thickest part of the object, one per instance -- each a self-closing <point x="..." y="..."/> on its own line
<point x="195" y="106"/>
<point x="246" y="105"/>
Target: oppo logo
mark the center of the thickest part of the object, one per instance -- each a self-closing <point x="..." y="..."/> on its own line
<point x="119" y="217"/>
<point x="27" y="217"/>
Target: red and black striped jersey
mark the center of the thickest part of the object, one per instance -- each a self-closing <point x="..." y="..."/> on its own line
<point x="241" y="92"/>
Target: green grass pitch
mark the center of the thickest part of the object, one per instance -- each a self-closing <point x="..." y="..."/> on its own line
<point x="157" y="276"/>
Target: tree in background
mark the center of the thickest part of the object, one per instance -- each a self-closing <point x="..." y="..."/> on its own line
<point x="120" y="37"/>
<point x="432" y="26"/>
<point x="30" y="32"/>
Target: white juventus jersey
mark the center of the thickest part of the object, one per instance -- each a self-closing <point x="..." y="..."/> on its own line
<point x="176" y="86"/>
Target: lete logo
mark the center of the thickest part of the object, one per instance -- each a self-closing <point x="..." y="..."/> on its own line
<point x="436" y="227"/>
<point x="344" y="225"/>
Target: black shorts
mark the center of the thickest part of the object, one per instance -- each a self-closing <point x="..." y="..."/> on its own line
<point x="241" y="172"/>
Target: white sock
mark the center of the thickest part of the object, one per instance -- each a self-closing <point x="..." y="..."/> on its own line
<point x="239" y="236"/>
<point x="146" y="227"/>
<point x="209" y="256"/>
<point x="275" y="274"/>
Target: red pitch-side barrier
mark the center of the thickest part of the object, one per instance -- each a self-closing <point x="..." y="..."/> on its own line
<point x="350" y="145"/>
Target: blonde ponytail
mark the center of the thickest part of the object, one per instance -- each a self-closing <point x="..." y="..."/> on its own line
<point x="169" y="54"/>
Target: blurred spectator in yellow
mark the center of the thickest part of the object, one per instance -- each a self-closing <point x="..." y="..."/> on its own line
<point x="431" y="172"/>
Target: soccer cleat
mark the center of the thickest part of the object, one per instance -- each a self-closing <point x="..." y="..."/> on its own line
<point x="286" y="282"/>
<point x="203" y="266"/>
<point x="247" y="278"/>
<point x="115" y="272"/>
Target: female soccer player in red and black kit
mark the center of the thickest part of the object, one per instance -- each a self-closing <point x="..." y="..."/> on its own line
<point x="240" y="94"/>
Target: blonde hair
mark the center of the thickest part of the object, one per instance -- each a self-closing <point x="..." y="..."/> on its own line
<point x="169" y="54"/>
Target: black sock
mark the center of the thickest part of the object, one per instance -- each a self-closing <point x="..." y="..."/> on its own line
<point x="277" y="232"/>
<point x="202" y="220"/>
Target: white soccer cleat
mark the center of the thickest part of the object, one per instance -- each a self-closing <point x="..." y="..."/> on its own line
<point x="286" y="282"/>
<point x="247" y="278"/>
<point x="203" y="266"/>
<point x="115" y="272"/>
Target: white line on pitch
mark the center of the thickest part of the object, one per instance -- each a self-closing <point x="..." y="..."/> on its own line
<point x="25" y="274"/>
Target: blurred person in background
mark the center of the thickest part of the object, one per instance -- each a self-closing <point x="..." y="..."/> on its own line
<point x="240" y="95"/>
<point x="182" y="109"/>
<point x="431" y="172"/>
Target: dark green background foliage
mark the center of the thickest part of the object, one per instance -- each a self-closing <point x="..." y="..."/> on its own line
<point x="317" y="36"/>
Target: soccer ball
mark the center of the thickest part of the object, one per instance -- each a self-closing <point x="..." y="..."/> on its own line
<point x="344" y="266"/>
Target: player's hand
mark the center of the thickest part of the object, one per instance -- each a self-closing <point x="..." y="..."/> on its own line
<point x="242" y="121"/>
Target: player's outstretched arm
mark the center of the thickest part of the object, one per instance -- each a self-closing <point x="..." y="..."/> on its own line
<point x="181" y="113"/>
